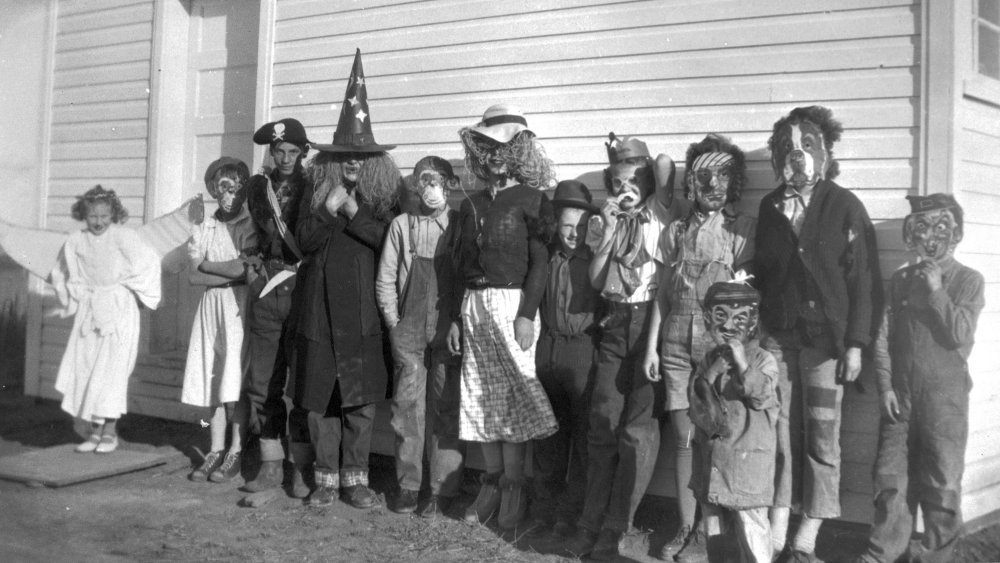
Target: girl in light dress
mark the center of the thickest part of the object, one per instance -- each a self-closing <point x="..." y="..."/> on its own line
<point x="214" y="371"/>
<point x="105" y="271"/>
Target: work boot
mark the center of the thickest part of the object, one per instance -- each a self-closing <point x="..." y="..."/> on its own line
<point x="323" y="496"/>
<point x="268" y="477"/>
<point x="487" y="501"/>
<point x="358" y="496"/>
<point x="405" y="501"/>
<point x="695" y="549"/>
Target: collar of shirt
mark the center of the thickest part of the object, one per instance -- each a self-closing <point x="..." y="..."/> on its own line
<point x="556" y="251"/>
<point x="441" y="218"/>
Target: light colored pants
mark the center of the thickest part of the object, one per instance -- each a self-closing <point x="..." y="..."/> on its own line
<point x="752" y="529"/>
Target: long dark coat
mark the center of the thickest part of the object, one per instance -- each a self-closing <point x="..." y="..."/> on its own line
<point x="338" y="332"/>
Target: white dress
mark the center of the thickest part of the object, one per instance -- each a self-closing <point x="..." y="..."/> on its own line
<point x="98" y="279"/>
<point x="214" y="370"/>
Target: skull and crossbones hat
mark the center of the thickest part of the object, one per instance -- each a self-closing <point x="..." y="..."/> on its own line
<point x="286" y="130"/>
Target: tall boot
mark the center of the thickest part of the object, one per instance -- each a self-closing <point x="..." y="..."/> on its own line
<point x="269" y="475"/>
<point x="301" y="455"/>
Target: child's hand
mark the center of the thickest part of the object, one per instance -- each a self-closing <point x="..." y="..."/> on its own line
<point x="651" y="366"/>
<point x="931" y="272"/>
<point x="849" y="366"/>
<point x="455" y="339"/>
<point x="609" y="212"/>
<point x="524" y="332"/>
<point x="718" y="368"/>
<point x="336" y="199"/>
<point x="739" y="355"/>
<point x="889" y="404"/>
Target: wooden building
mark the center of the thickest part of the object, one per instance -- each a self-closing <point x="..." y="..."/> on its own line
<point x="140" y="95"/>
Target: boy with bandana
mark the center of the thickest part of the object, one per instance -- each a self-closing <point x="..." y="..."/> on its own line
<point x="414" y="290"/>
<point x="734" y="407"/>
<point x="625" y="269"/>
<point x="923" y="380"/>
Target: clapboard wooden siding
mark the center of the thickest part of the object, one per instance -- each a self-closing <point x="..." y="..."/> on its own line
<point x="978" y="146"/>
<point x="668" y="72"/>
<point x="99" y="127"/>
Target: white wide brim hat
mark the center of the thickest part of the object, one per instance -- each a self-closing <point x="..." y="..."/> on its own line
<point x="502" y="122"/>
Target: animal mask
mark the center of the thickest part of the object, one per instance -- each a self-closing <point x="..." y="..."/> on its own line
<point x="802" y="146"/>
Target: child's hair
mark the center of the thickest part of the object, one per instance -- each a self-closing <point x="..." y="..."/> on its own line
<point x="525" y="158"/>
<point x="98" y="194"/>
<point x="236" y="171"/>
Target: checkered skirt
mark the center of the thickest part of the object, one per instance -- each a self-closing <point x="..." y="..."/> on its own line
<point x="502" y="399"/>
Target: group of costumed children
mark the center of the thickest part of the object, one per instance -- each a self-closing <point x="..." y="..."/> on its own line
<point x="589" y="331"/>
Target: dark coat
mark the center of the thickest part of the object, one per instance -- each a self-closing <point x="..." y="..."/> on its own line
<point x="837" y="248"/>
<point x="338" y="331"/>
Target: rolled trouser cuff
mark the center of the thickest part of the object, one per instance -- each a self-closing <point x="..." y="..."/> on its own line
<point x="327" y="479"/>
<point x="351" y="478"/>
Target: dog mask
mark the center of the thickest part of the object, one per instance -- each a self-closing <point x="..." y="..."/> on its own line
<point x="800" y="154"/>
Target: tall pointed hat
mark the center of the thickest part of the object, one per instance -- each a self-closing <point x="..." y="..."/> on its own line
<point x="354" y="130"/>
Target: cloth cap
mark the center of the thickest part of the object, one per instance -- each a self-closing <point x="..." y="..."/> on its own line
<point x="731" y="293"/>
<point x="924" y="203"/>
<point x="218" y="163"/>
<point x="354" y="129"/>
<point x="623" y="148"/>
<point x="573" y="193"/>
<point x="436" y="163"/>
<point x="286" y="130"/>
<point x="502" y="122"/>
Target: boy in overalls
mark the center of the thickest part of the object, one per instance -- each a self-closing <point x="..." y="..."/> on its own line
<point x="414" y="290"/>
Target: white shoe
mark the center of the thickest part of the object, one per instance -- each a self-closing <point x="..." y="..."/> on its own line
<point x="108" y="444"/>
<point x="89" y="446"/>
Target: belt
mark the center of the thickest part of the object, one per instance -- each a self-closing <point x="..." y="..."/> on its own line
<point x="233" y="283"/>
<point x="623" y="306"/>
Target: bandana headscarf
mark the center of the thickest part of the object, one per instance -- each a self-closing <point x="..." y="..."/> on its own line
<point x="628" y="255"/>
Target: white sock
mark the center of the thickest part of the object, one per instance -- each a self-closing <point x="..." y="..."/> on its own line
<point x="779" y="527"/>
<point x="805" y="538"/>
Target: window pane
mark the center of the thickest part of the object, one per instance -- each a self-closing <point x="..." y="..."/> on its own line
<point x="989" y="10"/>
<point x="989" y="52"/>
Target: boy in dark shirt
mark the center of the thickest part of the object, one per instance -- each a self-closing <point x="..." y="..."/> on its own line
<point x="923" y="380"/>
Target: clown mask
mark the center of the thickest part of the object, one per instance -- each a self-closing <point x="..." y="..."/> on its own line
<point x="932" y="235"/>
<point x="708" y="182"/>
<point x="631" y="182"/>
<point x="801" y="155"/>
<point x="731" y="321"/>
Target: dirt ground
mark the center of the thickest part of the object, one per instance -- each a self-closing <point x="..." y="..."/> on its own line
<point x="158" y="515"/>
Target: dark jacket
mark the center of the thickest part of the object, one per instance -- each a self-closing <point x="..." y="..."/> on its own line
<point x="837" y="248"/>
<point x="338" y="331"/>
<point x="735" y="455"/>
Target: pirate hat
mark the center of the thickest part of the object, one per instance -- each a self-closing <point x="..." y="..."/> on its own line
<point x="354" y="130"/>
<point x="286" y="130"/>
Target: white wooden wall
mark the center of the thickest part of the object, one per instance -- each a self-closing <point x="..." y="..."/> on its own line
<point x="978" y="141"/>
<point x="666" y="71"/>
<point x="99" y="128"/>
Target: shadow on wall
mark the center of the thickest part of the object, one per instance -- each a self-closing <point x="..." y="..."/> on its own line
<point x="13" y="298"/>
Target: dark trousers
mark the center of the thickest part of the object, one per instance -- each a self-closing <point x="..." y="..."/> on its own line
<point x="342" y="440"/>
<point x="564" y="365"/>
<point x="612" y="463"/>
<point x="920" y="461"/>
<point x="264" y="383"/>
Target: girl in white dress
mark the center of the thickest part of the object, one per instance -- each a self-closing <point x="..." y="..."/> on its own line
<point x="104" y="272"/>
<point x="214" y="370"/>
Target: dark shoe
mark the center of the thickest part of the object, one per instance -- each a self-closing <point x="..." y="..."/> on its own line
<point x="212" y="461"/>
<point x="433" y="507"/>
<point x="487" y="501"/>
<point x="538" y="529"/>
<point x="322" y="496"/>
<point x="581" y="544"/>
<point x="562" y="529"/>
<point x="229" y="468"/>
<point x="358" y="496"/>
<point x="513" y="503"/>
<point x="695" y="549"/>
<point x="268" y="477"/>
<point x="669" y="549"/>
<point x="606" y="548"/>
<point x="405" y="502"/>
<point x="300" y="488"/>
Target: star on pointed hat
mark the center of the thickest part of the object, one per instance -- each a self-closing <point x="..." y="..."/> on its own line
<point x="354" y="129"/>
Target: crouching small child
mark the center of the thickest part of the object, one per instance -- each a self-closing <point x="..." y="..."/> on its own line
<point x="734" y="407"/>
<point x="923" y="381"/>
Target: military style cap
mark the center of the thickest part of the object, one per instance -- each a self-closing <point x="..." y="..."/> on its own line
<point x="924" y="203"/>
<point x="732" y="293"/>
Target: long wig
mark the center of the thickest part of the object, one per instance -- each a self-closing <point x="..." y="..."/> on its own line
<point x="524" y="156"/>
<point x="379" y="180"/>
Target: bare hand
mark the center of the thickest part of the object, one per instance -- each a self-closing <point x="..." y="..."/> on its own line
<point x="455" y="339"/>
<point x="889" y="404"/>
<point x="350" y="207"/>
<point x="849" y="366"/>
<point x="739" y="355"/>
<point x="524" y="332"/>
<point x="336" y="199"/>
<point x="718" y="368"/>
<point x="931" y="272"/>
<point x="609" y="212"/>
<point x="651" y="366"/>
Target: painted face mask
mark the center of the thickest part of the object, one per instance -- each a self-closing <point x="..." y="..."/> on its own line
<point x="709" y="180"/>
<point x="726" y="321"/>
<point x="933" y="235"/>
<point x="230" y="195"/>
<point x="801" y="150"/>
<point x="629" y="184"/>
<point x="431" y="185"/>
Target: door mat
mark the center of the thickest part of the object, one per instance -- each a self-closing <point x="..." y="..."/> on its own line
<point x="61" y="465"/>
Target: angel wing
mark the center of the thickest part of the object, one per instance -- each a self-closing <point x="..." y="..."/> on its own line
<point x="37" y="250"/>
